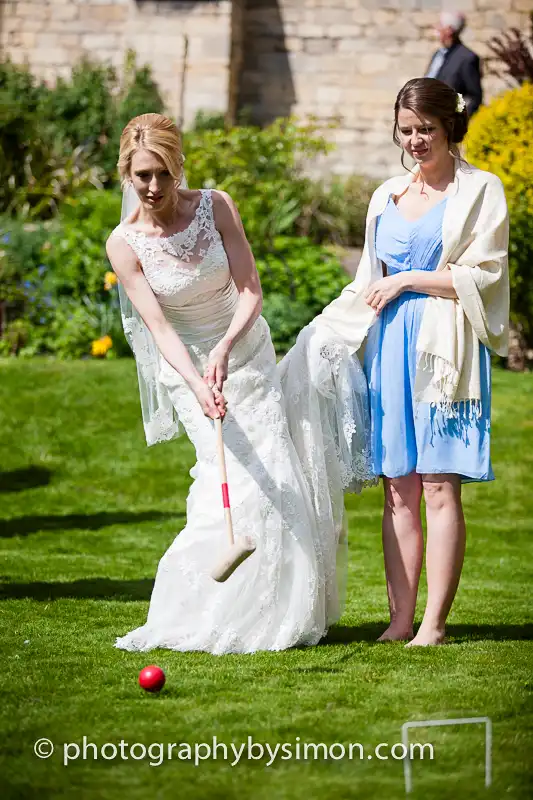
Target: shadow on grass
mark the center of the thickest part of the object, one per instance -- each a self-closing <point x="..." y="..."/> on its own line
<point x="18" y="480"/>
<point x="455" y="634"/>
<point x="86" y="589"/>
<point x="22" y="526"/>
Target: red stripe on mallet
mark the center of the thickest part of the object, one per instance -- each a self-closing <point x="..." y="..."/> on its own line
<point x="225" y="495"/>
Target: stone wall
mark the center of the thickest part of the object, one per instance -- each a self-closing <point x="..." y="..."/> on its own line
<point x="346" y="60"/>
<point x="187" y="43"/>
<point x="339" y="60"/>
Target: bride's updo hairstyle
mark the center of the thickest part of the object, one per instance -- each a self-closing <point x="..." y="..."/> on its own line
<point x="434" y="98"/>
<point x="156" y="133"/>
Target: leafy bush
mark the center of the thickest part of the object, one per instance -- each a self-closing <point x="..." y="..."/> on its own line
<point x="53" y="289"/>
<point x="515" y="50"/>
<point x="62" y="140"/>
<point x="521" y="268"/>
<point x="298" y="280"/>
<point x="19" y="101"/>
<point x="20" y="274"/>
<point x="261" y="170"/>
<point x="337" y="212"/>
<point x="499" y="140"/>
<point x="59" y="302"/>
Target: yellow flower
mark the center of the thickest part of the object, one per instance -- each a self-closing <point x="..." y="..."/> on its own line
<point x="100" y="346"/>
<point x="110" y="280"/>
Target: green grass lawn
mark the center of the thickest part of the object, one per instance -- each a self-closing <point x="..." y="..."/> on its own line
<point x="87" y="510"/>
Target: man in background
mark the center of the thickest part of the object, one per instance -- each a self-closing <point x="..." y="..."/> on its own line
<point x="454" y="63"/>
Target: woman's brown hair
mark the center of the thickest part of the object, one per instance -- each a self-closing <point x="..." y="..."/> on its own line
<point x="433" y="98"/>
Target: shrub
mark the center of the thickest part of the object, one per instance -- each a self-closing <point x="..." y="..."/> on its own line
<point x="60" y="141"/>
<point x="515" y="50"/>
<point x="20" y="274"/>
<point x="91" y="108"/>
<point x="337" y="212"/>
<point x="60" y="303"/>
<point x="499" y="140"/>
<point x="65" y="306"/>
<point x="19" y="100"/>
<point x="53" y="287"/>
<point x="298" y="279"/>
<point x="261" y="170"/>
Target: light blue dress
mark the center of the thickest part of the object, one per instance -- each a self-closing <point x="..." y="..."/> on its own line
<point x="405" y="436"/>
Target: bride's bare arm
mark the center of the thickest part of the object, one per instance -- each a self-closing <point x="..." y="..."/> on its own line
<point x="244" y="272"/>
<point x="139" y="291"/>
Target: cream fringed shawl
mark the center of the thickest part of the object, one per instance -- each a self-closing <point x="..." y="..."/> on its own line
<point x="475" y="236"/>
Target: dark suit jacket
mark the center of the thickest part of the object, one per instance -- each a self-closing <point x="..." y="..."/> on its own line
<point x="462" y="71"/>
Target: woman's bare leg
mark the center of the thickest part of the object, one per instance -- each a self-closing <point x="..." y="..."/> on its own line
<point x="445" y="549"/>
<point x="403" y="548"/>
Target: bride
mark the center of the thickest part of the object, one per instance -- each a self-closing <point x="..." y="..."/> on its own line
<point x="295" y="434"/>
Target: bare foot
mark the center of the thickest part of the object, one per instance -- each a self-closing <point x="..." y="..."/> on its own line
<point x="427" y="638"/>
<point x="395" y="633"/>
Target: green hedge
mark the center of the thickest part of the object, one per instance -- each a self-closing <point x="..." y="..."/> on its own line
<point x="499" y="140"/>
<point x="52" y="282"/>
<point x="59" y="175"/>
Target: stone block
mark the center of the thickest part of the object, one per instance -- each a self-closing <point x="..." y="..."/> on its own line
<point x="361" y="16"/>
<point x="325" y="17"/>
<point x="49" y="56"/>
<point x="331" y="95"/>
<point x="496" y="21"/>
<point x="47" y="40"/>
<point x="35" y="25"/>
<point x="356" y="46"/>
<point x="104" y="41"/>
<point x="384" y="17"/>
<point x="86" y="22"/>
<point x="111" y="13"/>
<point x="400" y="29"/>
<point x="61" y="13"/>
<point x="290" y="14"/>
<point x="294" y="44"/>
<point x="426" y="5"/>
<point x="16" y="54"/>
<point x="72" y="40"/>
<point x="319" y="47"/>
<point x="32" y="10"/>
<point x="424" y="19"/>
<point x="494" y="5"/>
<point x="344" y="136"/>
<point x="302" y="64"/>
<point x="309" y="31"/>
<point x="522" y="5"/>
<point x="343" y="31"/>
<point x="27" y="39"/>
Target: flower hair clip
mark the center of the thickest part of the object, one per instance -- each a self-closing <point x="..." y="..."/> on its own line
<point x="461" y="104"/>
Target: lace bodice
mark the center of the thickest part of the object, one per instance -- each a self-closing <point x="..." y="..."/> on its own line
<point x="188" y="271"/>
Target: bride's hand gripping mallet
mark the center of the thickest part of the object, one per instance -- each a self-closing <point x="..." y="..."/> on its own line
<point x="242" y="548"/>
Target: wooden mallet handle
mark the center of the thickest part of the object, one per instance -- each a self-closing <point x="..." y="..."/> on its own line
<point x="224" y="479"/>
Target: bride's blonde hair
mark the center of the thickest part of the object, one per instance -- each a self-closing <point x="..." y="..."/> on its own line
<point x="156" y="133"/>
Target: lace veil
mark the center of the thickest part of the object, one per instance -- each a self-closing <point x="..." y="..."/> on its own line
<point x="160" y="419"/>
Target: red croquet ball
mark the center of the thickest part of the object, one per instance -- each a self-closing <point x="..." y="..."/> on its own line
<point x="152" y="678"/>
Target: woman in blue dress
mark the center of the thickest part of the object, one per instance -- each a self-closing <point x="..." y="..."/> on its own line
<point x="424" y="445"/>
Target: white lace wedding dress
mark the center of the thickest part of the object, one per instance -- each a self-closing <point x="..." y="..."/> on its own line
<point x="295" y="438"/>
